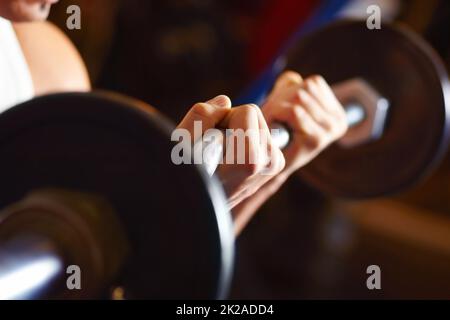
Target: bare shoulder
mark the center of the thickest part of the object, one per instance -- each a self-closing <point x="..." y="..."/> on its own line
<point x="54" y="62"/>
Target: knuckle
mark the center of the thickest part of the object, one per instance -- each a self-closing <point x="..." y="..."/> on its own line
<point x="291" y="74"/>
<point x="250" y="109"/>
<point x="201" y="109"/>
<point x="309" y="84"/>
<point x="258" y="110"/>
<point x="320" y="80"/>
<point x="316" y="78"/>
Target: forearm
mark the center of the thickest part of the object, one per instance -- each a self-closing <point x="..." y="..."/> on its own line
<point x="245" y="210"/>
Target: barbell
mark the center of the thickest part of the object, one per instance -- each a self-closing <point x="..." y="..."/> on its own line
<point x="396" y="94"/>
<point x="87" y="180"/>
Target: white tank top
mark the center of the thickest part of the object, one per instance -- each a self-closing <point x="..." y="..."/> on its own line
<point x="16" y="84"/>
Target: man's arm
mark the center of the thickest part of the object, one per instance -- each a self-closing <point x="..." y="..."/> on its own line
<point x="54" y="63"/>
<point x="245" y="210"/>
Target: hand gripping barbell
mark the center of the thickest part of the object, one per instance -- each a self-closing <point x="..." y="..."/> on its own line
<point x="396" y="94"/>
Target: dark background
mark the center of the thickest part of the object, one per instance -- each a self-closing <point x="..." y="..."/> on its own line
<point x="302" y="244"/>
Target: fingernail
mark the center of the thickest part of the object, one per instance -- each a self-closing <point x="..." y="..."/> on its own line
<point x="220" y="101"/>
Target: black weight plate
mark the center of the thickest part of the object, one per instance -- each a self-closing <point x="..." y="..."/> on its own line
<point x="175" y="216"/>
<point x="405" y="70"/>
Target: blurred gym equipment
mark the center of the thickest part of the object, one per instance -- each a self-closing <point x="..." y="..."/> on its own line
<point x="178" y="232"/>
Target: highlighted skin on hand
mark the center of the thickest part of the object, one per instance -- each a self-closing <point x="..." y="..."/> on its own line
<point x="311" y="110"/>
<point x="262" y="159"/>
<point x="316" y="119"/>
